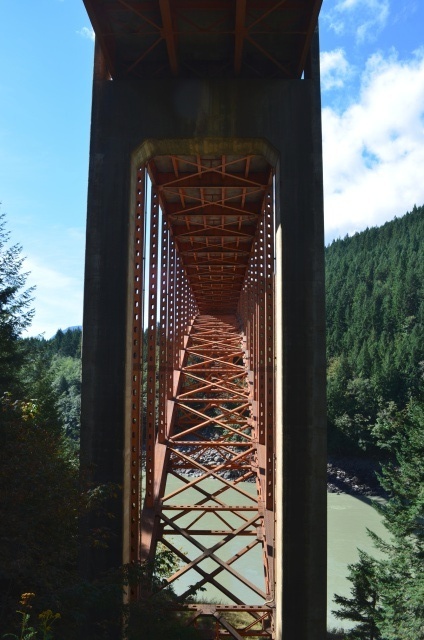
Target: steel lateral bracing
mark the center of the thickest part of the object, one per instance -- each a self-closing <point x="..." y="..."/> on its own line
<point x="204" y="290"/>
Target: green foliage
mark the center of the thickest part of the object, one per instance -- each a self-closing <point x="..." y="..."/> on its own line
<point x="375" y="325"/>
<point x="66" y="383"/>
<point x="39" y="484"/>
<point x="66" y="343"/>
<point x="51" y="360"/>
<point x="39" y="494"/>
<point x="402" y="432"/>
<point x="363" y="606"/>
<point x="375" y="331"/>
<point x="15" y="312"/>
<point x="387" y="598"/>
<point x="100" y="605"/>
<point x="153" y="615"/>
<point x="336" y="634"/>
<point x="46" y="620"/>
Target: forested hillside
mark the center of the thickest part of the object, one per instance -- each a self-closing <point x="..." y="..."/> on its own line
<point x="39" y="486"/>
<point x="375" y="329"/>
<point x="60" y="361"/>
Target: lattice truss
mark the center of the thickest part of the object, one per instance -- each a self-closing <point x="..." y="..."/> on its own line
<point x="207" y="425"/>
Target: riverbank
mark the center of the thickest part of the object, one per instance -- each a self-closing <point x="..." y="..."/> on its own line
<point x="353" y="476"/>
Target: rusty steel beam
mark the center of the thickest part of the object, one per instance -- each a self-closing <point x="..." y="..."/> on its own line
<point x="239" y="34"/>
<point x="213" y="399"/>
<point x="164" y="329"/>
<point x="137" y="376"/>
<point x="269" y="258"/>
<point x="209" y="390"/>
<point x="169" y="34"/>
<point x="212" y="179"/>
<point x="152" y="308"/>
<point x="256" y="309"/>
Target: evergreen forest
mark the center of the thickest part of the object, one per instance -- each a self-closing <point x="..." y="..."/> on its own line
<point x="375" y="327"/>
<point x="375" y="378"/>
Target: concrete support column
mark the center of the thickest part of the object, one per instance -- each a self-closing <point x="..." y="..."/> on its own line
<point x="302" y="467"/>
<point x="104" y="381"/>
<point x="281" y="118"/>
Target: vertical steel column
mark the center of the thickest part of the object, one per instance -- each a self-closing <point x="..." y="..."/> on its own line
<point x="171" y="319"/>
<point x="178" y="327"/>
<point x="152" y="347"/>
<point x="137" y="371"/>
<point x="269" y="355"/>
<point x="186" y="309"/>
<point x="256" y="309"/>
<point x="261" y="329"/>
<point x="255" y="345"/>
<point x="163" y="343"/>
<point x="252" y="309"/>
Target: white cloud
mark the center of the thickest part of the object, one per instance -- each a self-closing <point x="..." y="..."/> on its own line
<point x="374" y="149"/>
<point x="335" y="69"/>
<point x="365" y="18"/>
<point x="87" y="32"/>
<point x="58" y="299"/>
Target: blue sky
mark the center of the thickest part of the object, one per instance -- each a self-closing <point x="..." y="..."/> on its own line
<point x="372" y="54"/>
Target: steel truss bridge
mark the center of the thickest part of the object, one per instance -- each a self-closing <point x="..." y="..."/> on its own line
<point x="205" y="262"/>
<point x="208" y="234"/>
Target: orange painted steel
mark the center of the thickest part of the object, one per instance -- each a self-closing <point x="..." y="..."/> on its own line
<point x="137" y="373"/>
<point x="152" y="308"/>
<point x="213" y="438"/>
<point x="208" y="430"/>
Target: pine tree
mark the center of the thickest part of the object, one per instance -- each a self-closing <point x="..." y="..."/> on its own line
<point x="39" y="494"/>
<point x="363" y="607"/>
<point x="388" y="593"/>
<point x="15" y="311"/>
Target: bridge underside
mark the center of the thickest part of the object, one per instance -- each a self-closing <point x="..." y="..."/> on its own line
<point x="205" y="261"/>
<point x="209" y="474"/>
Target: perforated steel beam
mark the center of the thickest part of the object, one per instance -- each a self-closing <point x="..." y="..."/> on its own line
<point x="199" y="405"/>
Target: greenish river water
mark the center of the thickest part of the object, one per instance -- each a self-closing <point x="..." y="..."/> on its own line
<point x="348" y="519"/>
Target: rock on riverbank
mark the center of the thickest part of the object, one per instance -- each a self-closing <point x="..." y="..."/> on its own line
<point x="355" y="476"/>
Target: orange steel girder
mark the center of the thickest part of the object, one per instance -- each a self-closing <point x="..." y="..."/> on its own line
<point x="213" y="436"/>
<point x="208" y="417"/>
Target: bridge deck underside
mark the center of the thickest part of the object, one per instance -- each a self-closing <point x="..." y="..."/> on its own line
<point x="204" y="38"/>
<point x="212" y="205"/>
<point x="208" y="433"/>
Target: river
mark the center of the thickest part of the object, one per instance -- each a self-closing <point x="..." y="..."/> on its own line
<point x="348" y="519"/>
